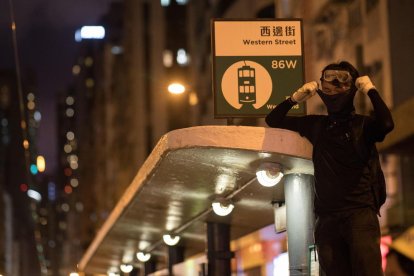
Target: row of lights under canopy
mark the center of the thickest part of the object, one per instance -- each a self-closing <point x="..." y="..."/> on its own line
<point x="268" y="174"/>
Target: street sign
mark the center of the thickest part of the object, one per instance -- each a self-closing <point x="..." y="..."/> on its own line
<point x="256" y="65"/>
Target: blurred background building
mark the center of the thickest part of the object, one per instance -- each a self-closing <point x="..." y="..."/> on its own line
<point x="21" y="237"/>
<point x="118" y="107"/>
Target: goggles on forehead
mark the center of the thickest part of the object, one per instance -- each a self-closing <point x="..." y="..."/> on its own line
<point x="340" y="75"/>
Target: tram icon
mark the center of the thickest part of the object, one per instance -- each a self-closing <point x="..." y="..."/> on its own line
<point x="246" y="84"/>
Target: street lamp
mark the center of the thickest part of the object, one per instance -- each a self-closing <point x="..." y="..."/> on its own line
<point x="176" y="88"/>
<point x="41" y="163"/>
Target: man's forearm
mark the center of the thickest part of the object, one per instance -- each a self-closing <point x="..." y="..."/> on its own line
<point x="276" y="117"/>
<point x="382" y="113"/>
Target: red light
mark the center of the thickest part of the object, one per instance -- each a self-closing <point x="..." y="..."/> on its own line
<point x="385" y="242"/>
<point x="24" y="187"/>
<point x="68" y="189"/>
<point x="67" y="172"/>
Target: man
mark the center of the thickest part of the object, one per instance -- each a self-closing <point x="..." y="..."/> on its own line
<point x="349" y="183"/>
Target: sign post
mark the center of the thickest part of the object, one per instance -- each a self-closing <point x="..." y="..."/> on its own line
<point x="256" y="65"/>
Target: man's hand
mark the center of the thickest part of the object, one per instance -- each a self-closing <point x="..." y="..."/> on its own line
<point x="364" y="84"/>
<point x="305" y="92"/>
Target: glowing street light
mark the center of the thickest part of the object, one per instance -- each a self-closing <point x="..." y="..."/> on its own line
<point x="40" y="163"/>
<point x="176" y="88"/>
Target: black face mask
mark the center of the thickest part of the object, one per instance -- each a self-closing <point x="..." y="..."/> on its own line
<point x="340" y="106"/>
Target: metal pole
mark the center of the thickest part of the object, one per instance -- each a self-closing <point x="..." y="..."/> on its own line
<point x="300" y="220"/>
<point x="175" y="256"/>
<point x="218" y="249"/>
<point x="150" y="266"/>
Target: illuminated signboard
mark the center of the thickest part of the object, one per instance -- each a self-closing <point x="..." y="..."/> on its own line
<point x="256" y="65"/>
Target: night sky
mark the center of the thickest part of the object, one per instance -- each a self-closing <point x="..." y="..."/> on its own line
<point x="46" y="46"/>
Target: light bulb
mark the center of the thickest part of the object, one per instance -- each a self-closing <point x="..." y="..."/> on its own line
<point x="269" y="174"/>
<point x="126" y="268"/>
<point x="176" y="88"/>
<point x="143" y="257"/>
<point x="169" y="240"/>
<point x="222" y="209"/>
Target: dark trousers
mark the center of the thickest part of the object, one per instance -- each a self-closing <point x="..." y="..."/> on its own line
<point x="348" y="243"/>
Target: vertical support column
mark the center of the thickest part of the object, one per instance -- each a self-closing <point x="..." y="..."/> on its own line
<point x="150" y="266"/>
<point x="299" y="220"/>
<point x="218" y="249"/>
<point x="135" y="272"/>
<point x="175" y="256"/>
